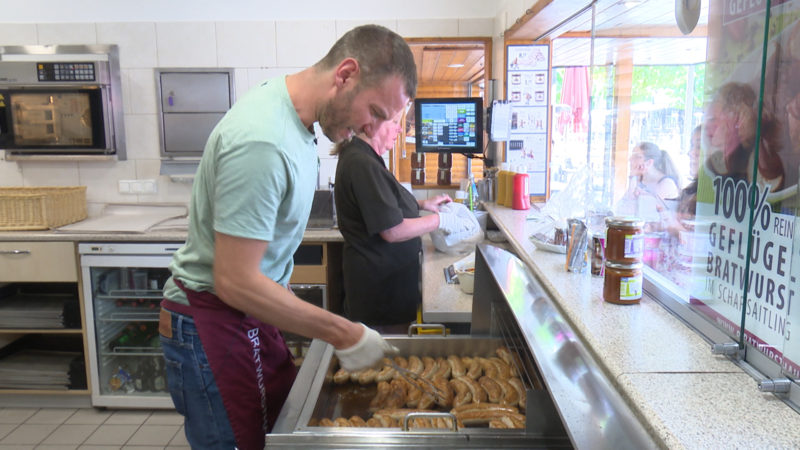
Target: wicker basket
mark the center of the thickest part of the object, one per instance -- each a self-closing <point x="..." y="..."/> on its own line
<point x="41" y="208"/>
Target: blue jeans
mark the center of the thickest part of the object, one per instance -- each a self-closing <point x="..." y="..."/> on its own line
<point x="193" y="389"/>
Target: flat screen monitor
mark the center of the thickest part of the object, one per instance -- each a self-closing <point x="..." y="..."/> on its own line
<point x="452" y="125"/>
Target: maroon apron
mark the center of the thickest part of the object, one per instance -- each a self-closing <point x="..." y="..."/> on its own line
<point x="252" y="366"/>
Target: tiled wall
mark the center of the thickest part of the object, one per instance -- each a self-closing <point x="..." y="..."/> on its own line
<point x="256" y="50"/>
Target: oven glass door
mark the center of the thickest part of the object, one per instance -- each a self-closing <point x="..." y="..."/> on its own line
<point x="57" y="119"/>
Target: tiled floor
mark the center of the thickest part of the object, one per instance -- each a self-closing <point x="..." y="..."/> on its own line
<point x="89" y="428"/>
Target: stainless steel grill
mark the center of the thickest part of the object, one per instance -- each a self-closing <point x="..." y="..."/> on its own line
<point x="569" y="401"/>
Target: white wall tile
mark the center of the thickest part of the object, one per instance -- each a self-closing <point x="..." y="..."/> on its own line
<point x="427" y="27"/>
<point x="168" y="190"/>
<point x="142" y="136"/>
<point x="18" y="34"/>
<point x="49" y="173"/>
<point x="67" y="33"/>
<point x="475" y="27"/>
<point x="139" y="91"/>
<point x="10" y="173"/>
<point x="303" y="43"/>
<point x="246" y="44"/>
<point x="136" y="41"/>
<point x="101" y="179"/>
<point x="343" y="26"/>
<point x="258" y="76"/>
<point x="186" y="44"/>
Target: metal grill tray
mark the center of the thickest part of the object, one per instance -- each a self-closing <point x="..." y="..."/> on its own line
<point x="314" y="398"/>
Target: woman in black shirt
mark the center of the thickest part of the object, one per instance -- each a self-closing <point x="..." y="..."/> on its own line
<point x="381" y="225"/>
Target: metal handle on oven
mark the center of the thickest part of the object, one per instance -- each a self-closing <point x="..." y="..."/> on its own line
<point x="15" y="252"/>
<point x="426" y="326"/>
<point x="443" y="415"/>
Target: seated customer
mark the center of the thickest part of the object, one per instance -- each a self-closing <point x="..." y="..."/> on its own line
<point x="654" y="170"/>
<point x="381" y="225"/>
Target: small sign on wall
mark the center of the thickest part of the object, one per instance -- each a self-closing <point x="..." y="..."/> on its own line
<point x="528" y="92"/>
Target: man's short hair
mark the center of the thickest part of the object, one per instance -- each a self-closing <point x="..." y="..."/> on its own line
<point x="380" y="52"/>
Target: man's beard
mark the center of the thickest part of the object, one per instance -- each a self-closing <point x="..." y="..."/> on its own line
<point x="334" y="115"/>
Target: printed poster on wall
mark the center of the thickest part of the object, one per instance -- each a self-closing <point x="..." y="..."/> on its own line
<point x="527" y="91"/>
<point x="740" y="244"/>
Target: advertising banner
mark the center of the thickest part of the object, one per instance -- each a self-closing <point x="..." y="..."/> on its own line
<point x="740" y="245"/>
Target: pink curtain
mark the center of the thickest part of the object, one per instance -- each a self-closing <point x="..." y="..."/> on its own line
<point x="575" y="93"/>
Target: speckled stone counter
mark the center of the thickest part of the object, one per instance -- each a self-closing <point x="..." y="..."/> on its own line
<point x="441" y="302"/>
<point x="687" y="397"/>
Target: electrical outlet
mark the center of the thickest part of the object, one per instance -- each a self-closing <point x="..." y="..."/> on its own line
<point x="125" y="186"/>
<point x="149" y="186"/>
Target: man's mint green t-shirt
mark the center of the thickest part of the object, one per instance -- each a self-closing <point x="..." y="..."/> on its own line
<point x="256" y="180"/>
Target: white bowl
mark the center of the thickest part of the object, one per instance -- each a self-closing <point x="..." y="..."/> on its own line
<point x="466" y="281"/>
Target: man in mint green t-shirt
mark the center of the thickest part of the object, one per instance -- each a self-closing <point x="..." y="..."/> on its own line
<point x="228" y="369"/>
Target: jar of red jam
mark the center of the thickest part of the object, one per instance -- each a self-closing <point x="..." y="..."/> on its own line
<point x="624" y="239"/>
<point x="622" y="283"/>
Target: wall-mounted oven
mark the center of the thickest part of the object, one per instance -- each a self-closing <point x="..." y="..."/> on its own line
<point x="61" y="100"/>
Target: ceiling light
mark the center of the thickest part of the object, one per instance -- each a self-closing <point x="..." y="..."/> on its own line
<point x="455" y="66"/>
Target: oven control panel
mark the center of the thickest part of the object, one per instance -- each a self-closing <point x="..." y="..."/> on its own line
<point x="65" y="71"/>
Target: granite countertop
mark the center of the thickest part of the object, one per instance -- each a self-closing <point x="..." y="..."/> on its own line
<point x="441" y="302"/>
<point x="686" y="396"/>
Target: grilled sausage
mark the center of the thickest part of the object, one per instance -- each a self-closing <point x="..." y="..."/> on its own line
<point x="474" y="370"/>
<point x="504" y="371"/>
<point x="430" y="367"/>
<point x="483" y="407"/>
<point x="462" y="393"/>
<point x="400" y="361"/>
<point x="489" y="369"/>
<point x="379" y="401"/>
<point x="478" y="417"/>
<point x="415" y="365"/>
<point x="367" y="376"/>
<point x="457" y="368"/>
<point x="492" y="388"/>
<point x="478" y="394"/>
<point x="385" y="374"/>
<point x="505" y="354"/>
<point x="510" y="393"/>
<point x="426" y="401"/>
<point x="444" y="396"/>
<point x="386" y="420"/>
<point x="522" y="394"/>
<point x="357" y="421"/>
<point x="397" y="397"/>
<point x="443" y="370"/>
<point x="341" y="422"/>
<point x="341" y="376"/>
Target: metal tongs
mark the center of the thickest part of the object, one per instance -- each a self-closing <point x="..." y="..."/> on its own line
<point x="415" y="378"/>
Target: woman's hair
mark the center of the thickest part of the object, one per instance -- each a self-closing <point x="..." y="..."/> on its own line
<point x="661" y="160"/>
<point x="380" y="53"/>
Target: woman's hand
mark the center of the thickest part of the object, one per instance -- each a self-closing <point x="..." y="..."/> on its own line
<point x="432" y="204"/>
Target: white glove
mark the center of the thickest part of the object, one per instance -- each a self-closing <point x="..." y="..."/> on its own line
<point x="450" y="223"/>
<point x="366" y="353"/>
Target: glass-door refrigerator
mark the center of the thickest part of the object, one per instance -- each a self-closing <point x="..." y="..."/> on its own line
<point x="122" y="284"/>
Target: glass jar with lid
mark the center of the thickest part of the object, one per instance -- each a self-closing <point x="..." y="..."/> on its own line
<point x="622" y="283"/>
<point x="624" y="239"/>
